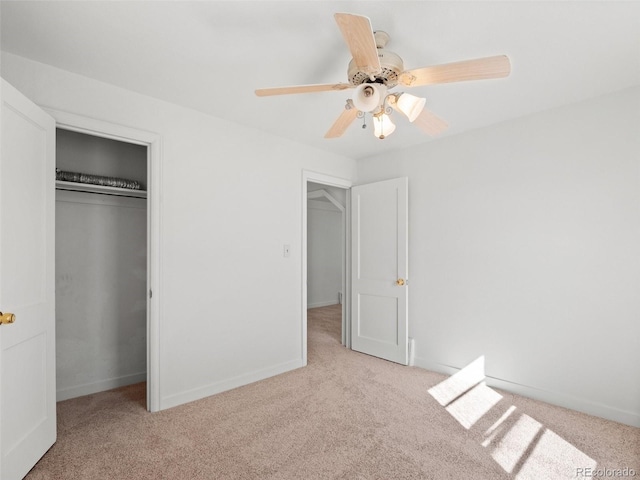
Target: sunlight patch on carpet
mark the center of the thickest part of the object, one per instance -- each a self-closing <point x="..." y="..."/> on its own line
<point x="554" y="457"/>
<point x="473" y="405"/>
<point x="521" y="445"/>
<point x="512" y="447"/>
<point x="456" y="385"/>
<point x="497" y="427"/>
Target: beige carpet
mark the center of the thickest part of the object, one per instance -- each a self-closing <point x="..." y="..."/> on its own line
<point x="345" y="416"/>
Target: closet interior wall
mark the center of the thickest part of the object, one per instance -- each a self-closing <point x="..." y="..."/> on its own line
<point x="324" y="247"/>
<point x="101" y="270"/>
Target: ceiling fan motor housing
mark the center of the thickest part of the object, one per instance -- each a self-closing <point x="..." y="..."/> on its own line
<point x="390" y="63"/>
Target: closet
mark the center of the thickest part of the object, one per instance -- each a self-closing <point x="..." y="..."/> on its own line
<point x="325" y="244"/>
<point x="101" y="264"/>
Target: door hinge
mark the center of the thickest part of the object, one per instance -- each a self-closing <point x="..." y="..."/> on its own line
<point x="150" y="294"/>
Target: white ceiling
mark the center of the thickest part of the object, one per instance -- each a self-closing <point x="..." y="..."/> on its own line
<point x="212" y="55"/>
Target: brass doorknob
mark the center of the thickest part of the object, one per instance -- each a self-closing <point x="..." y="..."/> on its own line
<point x="7" y="318"/>
<point x="400" y="282"/>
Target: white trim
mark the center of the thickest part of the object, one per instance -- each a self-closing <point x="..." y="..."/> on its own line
<point x="224" y="385"/>
<point x="322" y="304"/>
<point x="101" y="386"/>
<point x="330" y="181"/>
<point x="548" y="396"/>
<point x="153" y="142"/>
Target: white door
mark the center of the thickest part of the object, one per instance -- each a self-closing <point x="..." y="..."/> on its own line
<point x="379" y="218"/>
<point x="27" y="347"/>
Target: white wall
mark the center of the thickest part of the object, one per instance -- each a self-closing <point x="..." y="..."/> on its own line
<point x="231" y="198"/>
<point x="324" y="253"/>
<point x="525" y="247"/>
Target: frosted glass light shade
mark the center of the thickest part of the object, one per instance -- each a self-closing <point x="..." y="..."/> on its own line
<point x="410" y="105"/>
<point x="366" y="97"/>
<point x="383" y="126"/>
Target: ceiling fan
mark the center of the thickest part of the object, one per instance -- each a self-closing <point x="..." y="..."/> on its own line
<point x="374" y="71"/>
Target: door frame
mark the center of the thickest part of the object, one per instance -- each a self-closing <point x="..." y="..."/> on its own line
<point x="330" y="181"/>
<point x="153" y="142"/>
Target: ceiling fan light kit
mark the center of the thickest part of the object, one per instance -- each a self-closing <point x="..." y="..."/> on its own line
<point x="410" y="105"/>
<point x="383" y="126"/>
<point x="373" y="71"/>
<point x="366" y="97"/>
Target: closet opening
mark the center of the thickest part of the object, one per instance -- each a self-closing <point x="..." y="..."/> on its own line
<point x="326" y="255"/>
<point x="102" y="264"/>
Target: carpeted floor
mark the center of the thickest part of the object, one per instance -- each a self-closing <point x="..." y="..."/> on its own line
<point x="345" y="416"/>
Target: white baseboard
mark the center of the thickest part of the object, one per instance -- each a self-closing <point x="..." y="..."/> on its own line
<point x="224" y="385"/>
<point x="554" y="398"/>
<point x="322" y="304"/>
<point x="99" y="386"/>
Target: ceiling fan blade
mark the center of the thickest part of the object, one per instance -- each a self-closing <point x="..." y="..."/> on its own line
<point x="430" y="123"/>
<point x="477" y="69"/>
<point x="321" y="87"/>
<point x="358" y="35"/>
<point x="345" y="119"/>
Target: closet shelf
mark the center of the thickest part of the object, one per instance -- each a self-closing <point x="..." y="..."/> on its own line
<point x="102" y="189"/>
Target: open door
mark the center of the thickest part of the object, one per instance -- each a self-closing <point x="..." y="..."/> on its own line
<point x="27" y="347"/>
<point x="379" y="219"/>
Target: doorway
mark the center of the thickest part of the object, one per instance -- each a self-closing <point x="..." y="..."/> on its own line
<point x="142" y="330"/>
<point x="101" y="264"/>
<point x="325" y="248"/>
<point x="376" y="267"/>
